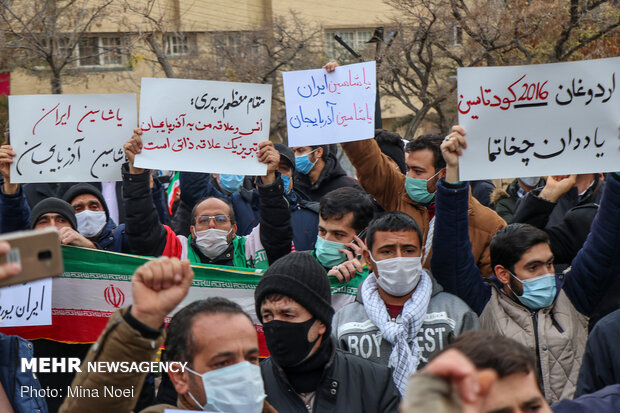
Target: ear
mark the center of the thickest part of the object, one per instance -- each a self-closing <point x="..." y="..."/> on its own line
<point x="233" y="231"/>
<point x="318" y="153"/>
<point x="322" y="328"/>
<point x="180" y="381"/>
<point x="192" y="229"/>
<point x="442" y="174"/>
<point x="502" y="274"/>
<point x="369" y="262"/>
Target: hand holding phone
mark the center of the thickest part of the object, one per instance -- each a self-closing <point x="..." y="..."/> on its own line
<point x="29" y="255"/>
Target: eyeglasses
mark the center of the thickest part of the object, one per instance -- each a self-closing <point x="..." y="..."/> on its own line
<point x="206" y="219"/>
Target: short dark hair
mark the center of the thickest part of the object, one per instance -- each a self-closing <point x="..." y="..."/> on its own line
<point x="391" y="221"/>
<point x="339" y="202"/>
<point x="180" y="344"/>
<point x="233" y="220"/>
<point x="432" y="142"/>
<point x="490" y="350"/>
<point x="510" y="243"/>
<point x="326" y="150"/>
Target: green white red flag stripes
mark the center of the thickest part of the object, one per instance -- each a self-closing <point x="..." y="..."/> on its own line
<point x="97" y="283"/>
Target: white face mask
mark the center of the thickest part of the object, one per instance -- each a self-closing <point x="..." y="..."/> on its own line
<point x="398" y="276"/>
<point x="233" y="389"/>
<point x="212" y="242"/>
<point x="90" y="222"/>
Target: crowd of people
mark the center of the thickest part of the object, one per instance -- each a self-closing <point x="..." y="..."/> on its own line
<point x="472" y="298"/>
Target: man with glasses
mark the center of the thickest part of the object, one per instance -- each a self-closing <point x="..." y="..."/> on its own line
<point x="213" y="235"/>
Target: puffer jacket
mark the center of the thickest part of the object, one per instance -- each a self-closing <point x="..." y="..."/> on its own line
<point x="556" y="334"/>
<point x="447" y="316"/>
<point x="387" y="185"/>
<point x="348" y="384"/>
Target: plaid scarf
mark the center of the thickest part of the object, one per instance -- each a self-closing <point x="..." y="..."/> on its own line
<point x="405" y="354"/>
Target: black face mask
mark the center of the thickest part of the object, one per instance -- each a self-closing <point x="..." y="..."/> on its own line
<point x="288" y="342"/>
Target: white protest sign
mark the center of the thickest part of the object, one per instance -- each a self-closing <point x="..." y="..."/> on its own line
<point x="550" y="119"/>
<point x="203" y="126"/>
<point x="334" y="107"/>
<point x="70" y="138"/>
<point x="28" y="304"/>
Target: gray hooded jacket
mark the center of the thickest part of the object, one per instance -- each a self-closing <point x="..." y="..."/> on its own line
<point x="447" y="317"/>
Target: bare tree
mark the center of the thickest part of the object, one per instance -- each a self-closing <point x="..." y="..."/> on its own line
<point x="46" y="33"/>
<point x="438" y="36"/>
<point x="256" y="56"/>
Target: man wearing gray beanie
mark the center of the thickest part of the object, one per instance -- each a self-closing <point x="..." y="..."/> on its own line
<point x="305" y="371"/>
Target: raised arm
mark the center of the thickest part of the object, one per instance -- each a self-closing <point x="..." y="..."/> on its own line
<point x="375" y="172"/>
<point x="276" y="232"/>
<point x="146" y="234"/>
<point x="133" y="335"/>
<point x="14" y="209"/>
<point x="452" y="262"/>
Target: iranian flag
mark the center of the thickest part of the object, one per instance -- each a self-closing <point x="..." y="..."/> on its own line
<point x="173" y="190"/>
<point x="97" y="283"/>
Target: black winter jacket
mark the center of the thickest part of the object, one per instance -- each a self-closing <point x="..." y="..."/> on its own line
<point x="147" y="236"/>
<point x="332" y="177"/>
<point x="349" y="384"/>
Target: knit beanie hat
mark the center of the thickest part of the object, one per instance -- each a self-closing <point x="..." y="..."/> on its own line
<point x="391" y="144"/>
<point x="299" y="276"/>
<point x="53" y="205"/>
<point x="83" y="188"/>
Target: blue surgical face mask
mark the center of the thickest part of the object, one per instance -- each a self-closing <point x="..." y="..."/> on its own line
<point x="538" y="292"/>
<point x="303" y="164"/>
<point x="286" y="180"/>
<point x="327" y="253"/>
<point x="231" y="183"/>
<point x="417" y="189"/>
<point x="234" y="389"/>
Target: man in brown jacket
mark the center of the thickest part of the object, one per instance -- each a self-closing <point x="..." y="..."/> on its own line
<point x="212" y="343"/>
<point x="394" y="191"/>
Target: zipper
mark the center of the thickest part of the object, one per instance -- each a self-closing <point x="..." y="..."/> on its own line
<point x="541" y="381"/>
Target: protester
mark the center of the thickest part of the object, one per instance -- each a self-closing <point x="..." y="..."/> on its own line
<point x="601" y="360"/>
<point x="304" y="213"/>
<point x="214" y="337"/>
<point x="413" y="193"/>
<point x="344" y="215"/>
<point x="90" y="216"/>
<point x="483" y="372"/>
<point x="565" y="209"/>
<point x="505" y="201"/>
<point x="527" y="300"/>
<point x="401" y="316"/>
<point x="317" y="172"/>
<point x="305" y="371"/>
<point x="562" y="213"/>
<point x="245" y="201"/>
<point x="213" y="229"/>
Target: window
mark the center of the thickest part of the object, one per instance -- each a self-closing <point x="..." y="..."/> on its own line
<point x="101" y="51"/>
<point x="176" y="45"/>
<point x="356" y="38"/>
<point x="236" y="45"/>
<point x="457" y="36"/>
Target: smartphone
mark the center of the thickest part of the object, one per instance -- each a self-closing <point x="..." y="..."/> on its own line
<point x="37" y="251"/>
